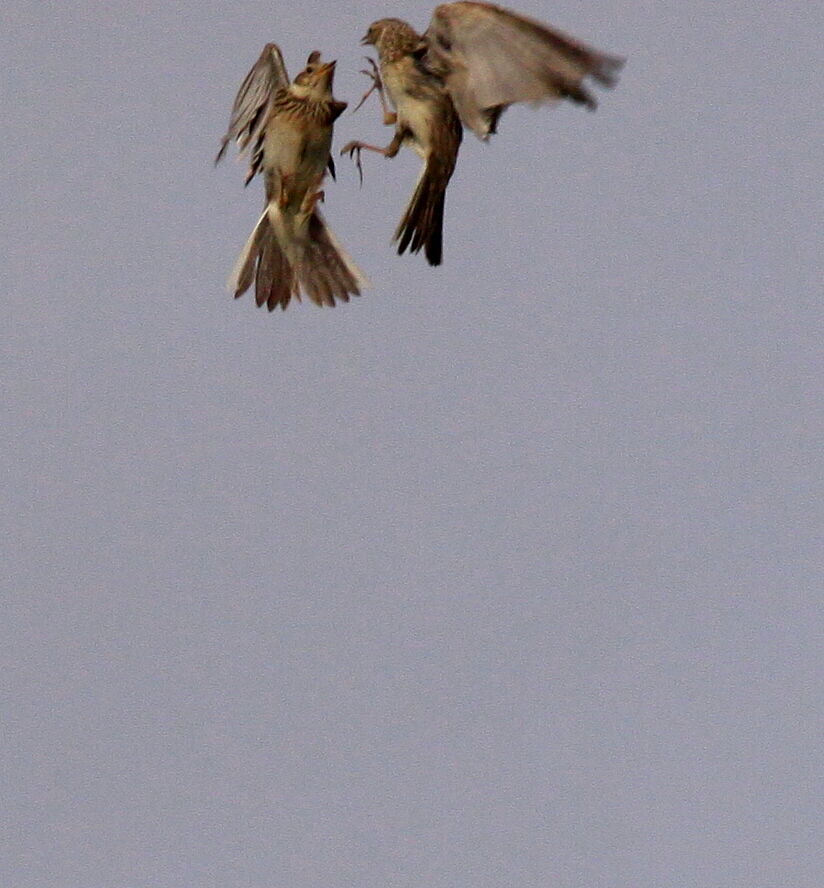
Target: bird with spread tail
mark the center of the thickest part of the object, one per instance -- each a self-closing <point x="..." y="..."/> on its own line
<point x="473" y="61"/>
<point x="287" y="128"/>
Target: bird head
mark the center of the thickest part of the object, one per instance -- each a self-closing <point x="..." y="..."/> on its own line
<point x="391" y="34"/>
<point x="315" y="80"/>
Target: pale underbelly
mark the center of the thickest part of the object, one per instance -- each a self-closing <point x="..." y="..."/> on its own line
<point x="296" y="163"/>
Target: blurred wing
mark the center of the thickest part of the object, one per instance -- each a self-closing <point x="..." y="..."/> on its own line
<point x="490" y="58"/>
<point x="253" y="103"/>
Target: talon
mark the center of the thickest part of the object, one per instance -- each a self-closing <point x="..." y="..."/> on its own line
<point x="374" y="73"/>
<point x="377" y="83"/>
<point x="354" y="149"/>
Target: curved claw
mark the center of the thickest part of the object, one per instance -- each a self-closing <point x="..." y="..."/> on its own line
<point x="354" y="149"/>
<point x="375" y="76"/>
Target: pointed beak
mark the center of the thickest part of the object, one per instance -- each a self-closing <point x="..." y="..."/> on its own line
<point x="327" y="72"/>
<point x="365" y="41"/>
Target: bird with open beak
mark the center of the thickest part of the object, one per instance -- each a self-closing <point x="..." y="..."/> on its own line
<point x="472" y="62"/>
<point x="287" y="127"/>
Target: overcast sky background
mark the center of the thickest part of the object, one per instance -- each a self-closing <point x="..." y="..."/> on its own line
<point x="508" y="573"/>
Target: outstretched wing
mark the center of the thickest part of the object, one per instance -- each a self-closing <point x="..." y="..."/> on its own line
<point x="253" y="103"/>
<point x="490" y="57"/>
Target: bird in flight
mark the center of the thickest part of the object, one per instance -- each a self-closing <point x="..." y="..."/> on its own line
<point x="287" y="130"/>
<point x="473" y="61"/>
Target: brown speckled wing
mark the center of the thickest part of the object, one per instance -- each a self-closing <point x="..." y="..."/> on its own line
<point x="490" y="57"/>
<point x="254" y="100"/>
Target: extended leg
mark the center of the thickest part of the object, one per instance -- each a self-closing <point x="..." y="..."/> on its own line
<point x="389" y="116"/>
<point x="353" y="149"/>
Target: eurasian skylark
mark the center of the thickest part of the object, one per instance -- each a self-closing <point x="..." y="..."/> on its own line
<point x="471" y="63"/>
<point x="288" y="128"/>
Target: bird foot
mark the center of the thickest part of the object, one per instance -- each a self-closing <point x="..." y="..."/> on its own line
<point x="374" y="74"/>
<point x="353" y="149"/>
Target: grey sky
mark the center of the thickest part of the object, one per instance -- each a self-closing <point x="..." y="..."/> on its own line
<point x="508" y="573"/>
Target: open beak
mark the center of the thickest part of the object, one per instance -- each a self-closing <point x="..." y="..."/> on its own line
<point x="327" y="72"/>
<point x="366" y="41"/>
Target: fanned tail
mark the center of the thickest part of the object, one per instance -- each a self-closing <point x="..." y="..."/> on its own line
<point x="325" y="271"/>
<point x="263" y="261"/>
<point x="282" y="262"/>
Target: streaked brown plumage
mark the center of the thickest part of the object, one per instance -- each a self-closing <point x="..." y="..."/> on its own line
<point x="288" y="128"/>
<point x="473" y="61"/>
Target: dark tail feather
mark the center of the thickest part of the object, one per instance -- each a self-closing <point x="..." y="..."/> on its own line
<point x="275" y="282"/>
<point x="263" y="261"/>
<point x="325" y="271"/>
<point x="422" y="223"/>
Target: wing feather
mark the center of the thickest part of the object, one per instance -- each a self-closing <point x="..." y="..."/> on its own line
<point x="254" y="101"/>
<point x="490" y="57"/>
